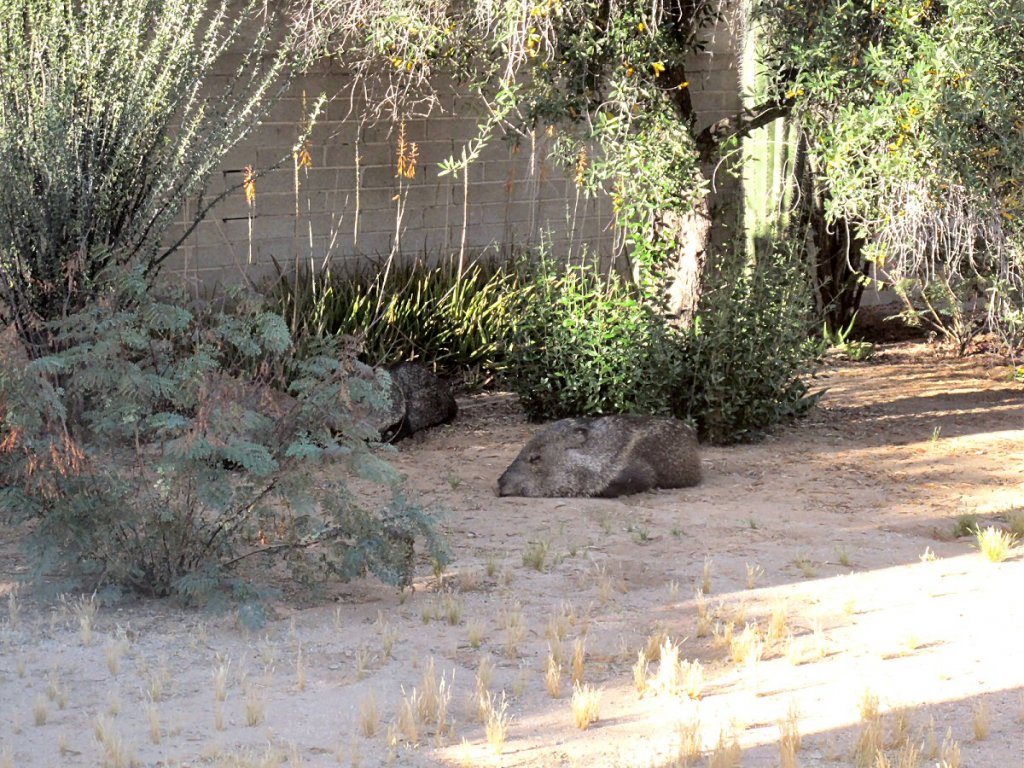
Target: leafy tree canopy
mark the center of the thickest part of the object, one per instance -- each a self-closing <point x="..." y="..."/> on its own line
<point x="914" y="111"/>
<point x="615" y="72"/>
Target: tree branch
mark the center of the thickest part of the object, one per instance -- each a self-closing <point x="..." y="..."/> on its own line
<point x="740" y="125"/>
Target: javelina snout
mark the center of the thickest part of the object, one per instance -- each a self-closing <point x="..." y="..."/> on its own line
<point x="604" y="456"/>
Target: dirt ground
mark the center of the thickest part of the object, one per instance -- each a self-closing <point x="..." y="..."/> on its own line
<point x="827" y="552"/>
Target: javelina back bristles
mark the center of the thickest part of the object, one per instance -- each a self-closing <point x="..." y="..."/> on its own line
<point x="605" y="456"/>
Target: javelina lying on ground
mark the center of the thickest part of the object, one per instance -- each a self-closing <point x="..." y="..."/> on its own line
<point x="419" y="400"/>
<point x="604" y="456"/>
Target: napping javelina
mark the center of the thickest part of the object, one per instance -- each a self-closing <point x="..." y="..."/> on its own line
<point x="419" y="400"/>
<point x="604" y="456"/>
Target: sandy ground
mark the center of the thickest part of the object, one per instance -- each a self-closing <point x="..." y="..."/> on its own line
<point x="830" y="544"/>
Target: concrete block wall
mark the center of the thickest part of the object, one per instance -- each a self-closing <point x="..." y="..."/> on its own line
<point x="716" y="90"/>
<point x="351" y="206"/>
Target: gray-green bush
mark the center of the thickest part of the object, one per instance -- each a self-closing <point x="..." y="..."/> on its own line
<point x="142" y="459"/>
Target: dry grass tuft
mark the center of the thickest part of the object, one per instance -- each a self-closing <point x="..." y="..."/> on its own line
<point x="496" y="720"/>
<point x="434" y="699"/>
<point x="703" y="617"/>
<point x="558" y="627"/>
<point x="747" y="647"/>
<point x="117" y="753"/>
<point x="995" y="544"/>
<point x="980" y="720"/>
<point x="754" y="574"/>
<point x="705" y="580"/>
<point x="115" y="649"/>
<point x="585" y="705"/>
<point x="484" y="673"/>
<point x="300" y="669"/>
<point x="408" y="719"/>
<point x="255" y="705"/>
<point x="511" y="619"/>
<point x="153" y="716"/>
<point x="949" y="755"/>
<point x="657" y="638"/>
<point x="727" y="752"/>
<point x="579" y="658"/>
<point x="778" y="623"/>
<point x="535" y="555"/>
<point x="640" y="670"/>
<point x="673" y="591"/>
<point x="677" y="675"/>
<point x="789" y="738"/>
<point x="553" y="677"/>
<point x="476" y="631"/>
<point x="13" y="607"/>
<point x="451" y="608"/>
<point x="388" y="635"/>
<point x="369" y="716"/>
<point x="871" y="736"/>
<point x="84" y="609"/>
<point x="690" y="743"/>
<point x="220" y="678"/>
<point x="40" y="710"/>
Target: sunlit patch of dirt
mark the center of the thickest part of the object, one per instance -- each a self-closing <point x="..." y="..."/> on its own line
<point x="831" y="543"/>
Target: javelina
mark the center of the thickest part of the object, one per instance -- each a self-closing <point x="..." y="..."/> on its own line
<point x="604" y="456"/>
<point x="419" y="400"/>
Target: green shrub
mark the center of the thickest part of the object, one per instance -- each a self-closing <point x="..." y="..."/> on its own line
<point x="111" y="125"/>
<point x="590" y="343"/>
<point x="587" y="343"/>
<point x="746" y="357"/>
<point x="141" y="460"/>
<point x="454" y="319"/>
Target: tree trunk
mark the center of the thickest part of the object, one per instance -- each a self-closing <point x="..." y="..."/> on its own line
<point x="691" y="233"/>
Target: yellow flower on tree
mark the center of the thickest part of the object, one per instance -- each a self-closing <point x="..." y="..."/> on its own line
<point x="249" y="185"/>
<point x="658" y="68"/>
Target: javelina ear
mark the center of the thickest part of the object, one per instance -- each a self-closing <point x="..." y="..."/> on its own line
<point x="578" y="436"/>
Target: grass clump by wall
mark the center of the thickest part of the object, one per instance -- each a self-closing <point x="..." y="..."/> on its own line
<point x="451" y="316"/>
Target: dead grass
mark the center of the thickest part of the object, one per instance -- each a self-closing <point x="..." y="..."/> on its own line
<point x="369" y="716"/>
<point x="553" y="677"/>
<point x="585" y="704"/>
<point x="789" y="738"/>
<point x="496" y="721"/>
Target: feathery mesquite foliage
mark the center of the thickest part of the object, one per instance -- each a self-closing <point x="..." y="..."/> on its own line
<point x="110" y="122"/>
<point x="144" y="461"/>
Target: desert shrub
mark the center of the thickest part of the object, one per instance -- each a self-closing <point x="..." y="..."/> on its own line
<point x="954" y="308"/>
<point x="110" y="123"/>
<point x="142" y="461"/>
<point x="912" y="125"/>
<point x="746" y="358"/>
<point x="586" y="343"/>
<point x="453" y="317"/>
<point x="589" y="343"/>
